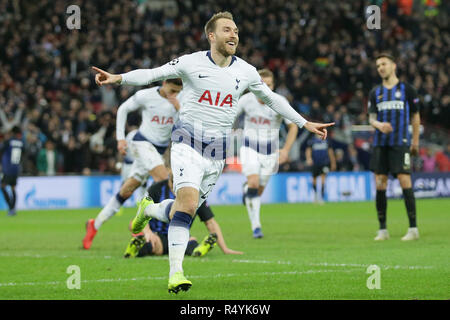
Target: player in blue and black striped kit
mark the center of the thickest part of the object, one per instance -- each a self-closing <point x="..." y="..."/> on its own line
<point x="11" y="151"/>
<point x="321" y="160"/>
<point x="393" y="105"/>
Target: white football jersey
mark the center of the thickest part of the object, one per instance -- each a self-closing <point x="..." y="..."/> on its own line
<point x="158" y="116"/>
<point x="259" y="119"/>
<point x="211" y="94"/>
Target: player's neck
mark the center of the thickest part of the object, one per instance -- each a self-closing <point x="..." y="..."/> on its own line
<point x="220" y="59"/>
<point x="390" y="82"/>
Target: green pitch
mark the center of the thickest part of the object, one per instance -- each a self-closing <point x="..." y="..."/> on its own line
<point x="308" y="252"/>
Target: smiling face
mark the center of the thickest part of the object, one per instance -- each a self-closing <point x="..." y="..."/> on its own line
<point x="225" y="37"/>
<point x="385" y="67"/>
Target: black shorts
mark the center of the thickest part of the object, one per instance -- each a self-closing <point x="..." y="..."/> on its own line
<point x="393" y="160"/>
<point x="10" y="180"/>
<point x="165" y="242"/>
<point x="192" y="244"/>
<point x="317" y="170"/>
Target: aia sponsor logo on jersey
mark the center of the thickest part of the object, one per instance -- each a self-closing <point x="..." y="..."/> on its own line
<point x="260" y="120"/>
<point x="162" y="120"/>
<point x="219" y="100"/>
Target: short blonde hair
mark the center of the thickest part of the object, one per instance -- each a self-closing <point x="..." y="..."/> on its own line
<point x="266" y="73"/>
<point x="210" y="26"/>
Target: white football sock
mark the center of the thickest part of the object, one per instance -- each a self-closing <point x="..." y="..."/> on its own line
<point x="107" y="212"/>
<point x="139" y="193"/>
<point x="158" y="210"/>
<point x="253" y="208"/>
<point x="178" y="239"/>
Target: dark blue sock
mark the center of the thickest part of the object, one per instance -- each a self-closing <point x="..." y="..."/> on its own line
<point x="120" y="198"/>
<point x="252" y="192"/>
<point x="181" y="219"/>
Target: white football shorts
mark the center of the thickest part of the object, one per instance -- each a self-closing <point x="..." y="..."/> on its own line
<point x="125" y="170"/>
<point x="191" y="169"/>
<point x="253" y="162"/>
<point x="146" y="158"/>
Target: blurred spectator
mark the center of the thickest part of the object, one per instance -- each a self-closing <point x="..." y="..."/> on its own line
<point x="9" y="119"/>
<point x="46" y="160"/>
<point x="321" y="57"/>
<point x="429" y="161"/>
<point x="443" y="159"/>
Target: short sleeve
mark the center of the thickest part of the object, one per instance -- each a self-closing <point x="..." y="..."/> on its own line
<point x="412" y="98"/>
<point x="372" y="103"/>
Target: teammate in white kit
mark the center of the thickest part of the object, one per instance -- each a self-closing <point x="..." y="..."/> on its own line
<point x="259" y="153"/>
<point x="127" y="164"/>
<point x="213" y="81"/>
<point x="159" y="108"/>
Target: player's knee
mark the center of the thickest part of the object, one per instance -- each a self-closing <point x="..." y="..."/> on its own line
<point x="405" y="181"/>
<point x="253" y="182"/>
<point x="381" y="182"/>
<point x="188" y="206"/>
<point x="159" y="173"/>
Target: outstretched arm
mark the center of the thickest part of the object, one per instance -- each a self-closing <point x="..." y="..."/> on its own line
<point x="281" y="106"/>
<point x="213" y="227"/>
<point x="141" y="77"/>
<point x="102" y="77"/>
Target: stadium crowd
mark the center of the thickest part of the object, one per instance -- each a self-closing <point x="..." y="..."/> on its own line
<point x="322" y="57"/>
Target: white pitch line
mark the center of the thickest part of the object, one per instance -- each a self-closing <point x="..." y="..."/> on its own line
<point x="205" y="259"/>
<point x="261" y="261"/>
<point x="219" y="275"/>
<point x="384" y="267"/>
<point x="327" y="264"/>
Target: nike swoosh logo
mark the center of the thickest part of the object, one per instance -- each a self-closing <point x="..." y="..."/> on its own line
<point x="176" y="244"/>
<point x="201" y="77"/>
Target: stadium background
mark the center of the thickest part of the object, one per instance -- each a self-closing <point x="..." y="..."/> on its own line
<point x="322" y="57"/>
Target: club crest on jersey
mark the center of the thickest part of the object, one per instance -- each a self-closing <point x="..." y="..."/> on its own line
<point x="398" y="94"/>
<point x="162" y="120"/>
<point x="206" y="96"/>
<point x="237" y="83"/>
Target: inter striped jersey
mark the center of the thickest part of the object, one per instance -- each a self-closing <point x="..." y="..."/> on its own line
<point x="395" y="105"/>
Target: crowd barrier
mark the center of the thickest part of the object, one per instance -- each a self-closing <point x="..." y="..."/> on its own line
<point x="95" y="191"/>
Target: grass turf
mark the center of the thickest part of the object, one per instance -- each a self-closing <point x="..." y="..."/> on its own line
<point x="308" y="252"/>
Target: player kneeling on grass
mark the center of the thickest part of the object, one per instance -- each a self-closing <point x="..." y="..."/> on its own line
<point x="162" y="194"/>
<point x="153" y="241"/>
